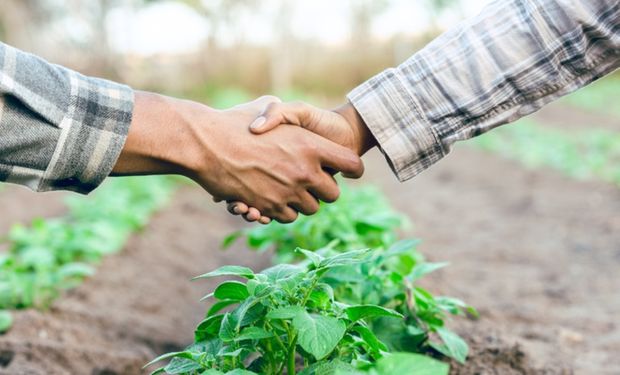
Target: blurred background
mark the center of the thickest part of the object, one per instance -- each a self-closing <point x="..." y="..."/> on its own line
<point x="209" y="49"/>
<point x="528" y="214"/>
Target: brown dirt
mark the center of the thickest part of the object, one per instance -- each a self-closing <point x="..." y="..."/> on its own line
<point x="20" y="205"/>
<point x="537" y="253"/>
<point x="139" y="305"/>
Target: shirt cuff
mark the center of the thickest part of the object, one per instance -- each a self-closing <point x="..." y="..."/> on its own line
<point x="92" y="135"/>
<point x="393" y="115"/>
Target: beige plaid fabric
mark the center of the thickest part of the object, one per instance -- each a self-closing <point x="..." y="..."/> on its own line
<point x="507" y="62"/>
<point x="58" y="129"/>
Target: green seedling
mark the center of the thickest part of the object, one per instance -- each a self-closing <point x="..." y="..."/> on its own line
<point x="360" y="218"/>
<point x="284" y="319"/>
<point x="50" y="256"/>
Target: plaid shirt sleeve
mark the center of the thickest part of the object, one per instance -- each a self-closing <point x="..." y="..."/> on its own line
<point x="59" y="130"/>
<point x="505" y="63"/>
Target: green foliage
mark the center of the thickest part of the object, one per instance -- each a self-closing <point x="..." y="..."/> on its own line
<point x="360" y="218"/>
<point x="579" y="154"/>
<point x="601" y="96"/>
<point x="336" y="312"/>
<point x="49" y="256"/>
<point x="288" y="314"/>
<point x="6" y="320"/>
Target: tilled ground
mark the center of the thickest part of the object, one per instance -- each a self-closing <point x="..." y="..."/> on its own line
<point x="537" y="253"/>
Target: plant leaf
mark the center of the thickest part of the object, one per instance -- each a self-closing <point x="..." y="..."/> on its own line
<point x="345" y="259"/>
<point x="318" y="335"/>
<point x="239" y="271"/>
<point x="6" y="321"/>
<point x="231" y="238"/>
<point x="314" y="257"/>
<point x="231" y="290"/>
<point x="410" y="364"/>
<point x="208" y="328"/>
<point x="454" y="346"/>
<point x="254" y="333"/>
<point x="239" y="371"/>
<point x="219" y="306"/>
<point x="288" y="312"/>
<point x="184" y="354"/>
<point x="423" y="269"/>
<point x="281" y="271"/>
<point x="182" y="366"/>
<point x="359" y="312"/>
<point x="370" y="339"/>
<point x="402" y="247"/>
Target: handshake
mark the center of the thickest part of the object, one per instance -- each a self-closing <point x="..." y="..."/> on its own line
<point x="244" y="156"/>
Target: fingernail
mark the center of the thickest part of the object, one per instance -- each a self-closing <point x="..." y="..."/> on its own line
<point x="236" y="209"/>
<point x="258" y="122"/>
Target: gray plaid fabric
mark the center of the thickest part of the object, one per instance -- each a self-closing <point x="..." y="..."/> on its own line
<point x="58" y="129"/>
<point x="507" y="62"/>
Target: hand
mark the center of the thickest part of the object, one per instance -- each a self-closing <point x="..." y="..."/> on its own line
<point x="343" y="125"/>
<point x="279" y="173"/>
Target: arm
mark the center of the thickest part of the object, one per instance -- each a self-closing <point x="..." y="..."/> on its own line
<point x="58" y="129"/>
<point x="505" y="63"/>
<point x="62" y="130"/>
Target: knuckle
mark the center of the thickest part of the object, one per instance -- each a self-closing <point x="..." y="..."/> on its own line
<point x="332" y="195"/>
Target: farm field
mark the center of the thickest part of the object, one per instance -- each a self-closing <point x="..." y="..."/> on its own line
<point x="534" y="249"/>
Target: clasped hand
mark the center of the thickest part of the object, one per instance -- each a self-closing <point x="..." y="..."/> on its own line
<point x="342" y="126"/>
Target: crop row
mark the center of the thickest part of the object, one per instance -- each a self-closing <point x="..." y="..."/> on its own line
<point x="579" y="154"/>
<point x="52" y="255"/>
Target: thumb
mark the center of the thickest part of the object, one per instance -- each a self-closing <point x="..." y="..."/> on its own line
<point x="279" y="113"/>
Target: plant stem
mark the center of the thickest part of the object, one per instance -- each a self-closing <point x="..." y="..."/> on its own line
<point x="291" y="356"/>
<point x="314" y="282"/>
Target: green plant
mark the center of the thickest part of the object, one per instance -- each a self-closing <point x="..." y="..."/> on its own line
<point x="286" y="319"/>
<point x="360" y="218"/>
<point x="6" y="320"/>
<point x="580" y="154"/>
<point x="53" y="255"/>
<point x="389" y="279"/>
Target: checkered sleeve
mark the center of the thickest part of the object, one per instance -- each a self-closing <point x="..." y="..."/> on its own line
<point x="505" y="63"/>
<point x="59" y="130"/>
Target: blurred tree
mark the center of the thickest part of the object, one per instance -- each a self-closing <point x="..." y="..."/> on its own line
<point x="281" y="49"/>
<point x="362" y="14"/>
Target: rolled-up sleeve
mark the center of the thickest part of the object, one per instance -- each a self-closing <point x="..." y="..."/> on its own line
<point x="505" y="63"/>
<point x="59" y="130"/>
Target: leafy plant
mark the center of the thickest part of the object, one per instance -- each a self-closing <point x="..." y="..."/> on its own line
<point x="284" y="319"/>
<point x="52" y="255"/>
<point x="360" y="218"/>
<point x="389" y="279"/>
<point x="579" y="154"/>
<point x="6" y="320"/>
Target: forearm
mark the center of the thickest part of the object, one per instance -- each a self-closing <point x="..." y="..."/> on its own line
<point x="160" y="139"/>
<point x="507" y="62"/>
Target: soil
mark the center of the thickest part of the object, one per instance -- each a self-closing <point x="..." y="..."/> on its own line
<point x="536" y="252"/>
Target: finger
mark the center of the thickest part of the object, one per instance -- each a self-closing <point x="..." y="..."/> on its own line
<point x="295" y="113"/>
<point x="252" y="215"/>
<point x="286" y="215"/>
<point x="325" y="188"/>
<point x="237" y="208"/>
<point x="306" y="204"/>
<point x="339" y="158"/>
<point x="264" y="220"/>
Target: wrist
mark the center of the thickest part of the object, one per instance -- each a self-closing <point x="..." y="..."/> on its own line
<point x="364" y="139"/>
<point x="161" y="140"/>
